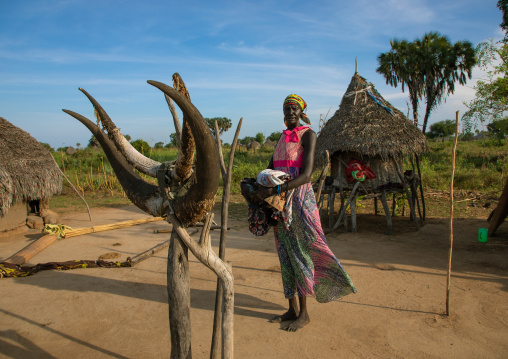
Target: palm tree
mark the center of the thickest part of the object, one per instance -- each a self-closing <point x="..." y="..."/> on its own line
<point x="429" y="67"/>
<point x="443" y="64"/>
<point x="400" y="65"/>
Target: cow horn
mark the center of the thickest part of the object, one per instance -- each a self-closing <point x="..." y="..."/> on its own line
<point x="142" y="163"/>
<point x="205" y="179"/>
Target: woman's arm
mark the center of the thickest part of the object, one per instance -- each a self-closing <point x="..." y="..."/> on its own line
<point x="309" y="148"/>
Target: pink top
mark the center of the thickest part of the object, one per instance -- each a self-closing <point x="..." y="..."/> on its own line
<point x="289" y="150"/>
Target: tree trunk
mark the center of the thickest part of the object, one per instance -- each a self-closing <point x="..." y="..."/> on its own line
<point x="179" y="298"/>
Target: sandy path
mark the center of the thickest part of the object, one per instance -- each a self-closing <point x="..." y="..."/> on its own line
<point x="401" y="280"/>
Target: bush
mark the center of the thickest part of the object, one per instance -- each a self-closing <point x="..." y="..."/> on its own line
<point x="141" y="146"/>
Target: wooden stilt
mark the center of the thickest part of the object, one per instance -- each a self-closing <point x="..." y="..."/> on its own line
<point x="387" y="212"/>
<point x="394" y="203"/>
<point x="421" y="187"/>
<point x="353" y="213"/>
<point x="331" y="200"/>
<point x="408" y="195"/>
<point x="343" y="212"/>
<point x="375" y="206"/>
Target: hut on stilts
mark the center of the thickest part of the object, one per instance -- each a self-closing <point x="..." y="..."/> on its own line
<point x="369" y="142"/>
<point x="29" y="176"/>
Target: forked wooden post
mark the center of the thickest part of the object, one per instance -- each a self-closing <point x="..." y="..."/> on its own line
<point x="451" y="216"/>
<point x="226" y="178"/>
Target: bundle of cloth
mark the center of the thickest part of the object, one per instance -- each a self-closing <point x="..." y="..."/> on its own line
<point x="272" y="209"/>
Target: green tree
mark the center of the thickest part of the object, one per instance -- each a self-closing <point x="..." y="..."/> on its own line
<point x="429" y="67"/>
<point x="223" y="123"/>
<point x="93" y="143"/>
<point x="498" y="128"/>
<point x="141" y="146"/>
<point x="260" y="137"/>
<point x="491" y="98"/>
<point x="503" y="6"/>
<point x="441" y="129"/>
<point x="173" y="142"/>
<point x="159" y="145"/>
<point x="274" y="136"/>
<point x="47" y="146"/>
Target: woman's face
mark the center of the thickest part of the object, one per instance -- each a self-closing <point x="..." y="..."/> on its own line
<point x="292" y="115"/>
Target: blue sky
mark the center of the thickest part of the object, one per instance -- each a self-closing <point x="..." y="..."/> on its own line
<point x="237" y="58"/>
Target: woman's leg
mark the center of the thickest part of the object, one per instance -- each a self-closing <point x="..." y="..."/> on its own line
<point x="291" y="314"/>
<point x="303" y="317"/>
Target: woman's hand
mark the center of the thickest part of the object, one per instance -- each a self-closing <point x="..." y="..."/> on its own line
<point x="263" y="192"/>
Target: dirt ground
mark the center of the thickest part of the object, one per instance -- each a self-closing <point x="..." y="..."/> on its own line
<point x="397" y="312"/>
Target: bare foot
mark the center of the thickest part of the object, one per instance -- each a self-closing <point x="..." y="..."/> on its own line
<point x="302" y="321"/>
<point x="289" y="315"/>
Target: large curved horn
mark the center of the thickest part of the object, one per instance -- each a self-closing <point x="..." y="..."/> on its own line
<point x="183" y="163"/>
<point x="201" y="195"/>
<point x="142" y="194"/>
<point x="142" y="163"/>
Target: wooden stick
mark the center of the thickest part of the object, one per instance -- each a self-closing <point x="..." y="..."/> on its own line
<point x="323" y="176"/>
<point x="448" y="277"/>
<point x="109" y="227"/>
<point x="31" y="250"/>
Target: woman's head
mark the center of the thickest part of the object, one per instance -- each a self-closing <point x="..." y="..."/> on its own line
<point x="293" y="108"/>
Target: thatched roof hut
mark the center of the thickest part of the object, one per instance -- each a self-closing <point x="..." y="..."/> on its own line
<point x="269" y="143"/>
<point x="363" y="126"/>
<point x="369" y="132"/>
<point x="254" y="145"/>
<point x="27" y="170"/>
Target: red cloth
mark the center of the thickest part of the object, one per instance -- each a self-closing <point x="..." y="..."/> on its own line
<point x="362" y="171"/>
<point x="292" y="135"/>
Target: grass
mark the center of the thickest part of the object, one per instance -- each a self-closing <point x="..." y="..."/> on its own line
<point x="481" y="171"/>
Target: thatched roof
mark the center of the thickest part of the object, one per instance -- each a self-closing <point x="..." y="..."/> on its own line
<point x="363" y="126"/>
<point x="27" y="170"/>
<point x="253" y="145"/>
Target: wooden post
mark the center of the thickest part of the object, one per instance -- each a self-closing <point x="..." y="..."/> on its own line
<point x="394" y="203"/>
<point x="448" y="277"/>
<point x="331" y="204"/>
<point x="178" y="282"/>
<point x="387" y="212"/>
<point x="353" y="213"/>
<point x="408" y="195"/>
<point x="226" y="179"/>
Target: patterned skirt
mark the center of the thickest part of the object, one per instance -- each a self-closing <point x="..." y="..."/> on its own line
<point x="308" y="266"/>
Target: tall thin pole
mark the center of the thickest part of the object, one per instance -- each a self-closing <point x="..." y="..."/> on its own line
<point x="451" y="216"/>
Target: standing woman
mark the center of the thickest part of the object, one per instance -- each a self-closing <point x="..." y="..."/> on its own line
<point x="308" y="266"/>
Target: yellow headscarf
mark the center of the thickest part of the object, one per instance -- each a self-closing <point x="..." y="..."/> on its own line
<point x="297" y="100"/>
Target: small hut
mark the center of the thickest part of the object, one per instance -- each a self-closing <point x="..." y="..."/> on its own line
<point x="368" y="130"/>
<point x="269" y="143"/>
<point x="28" y="176"/>
<point x="253" y="145"/>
